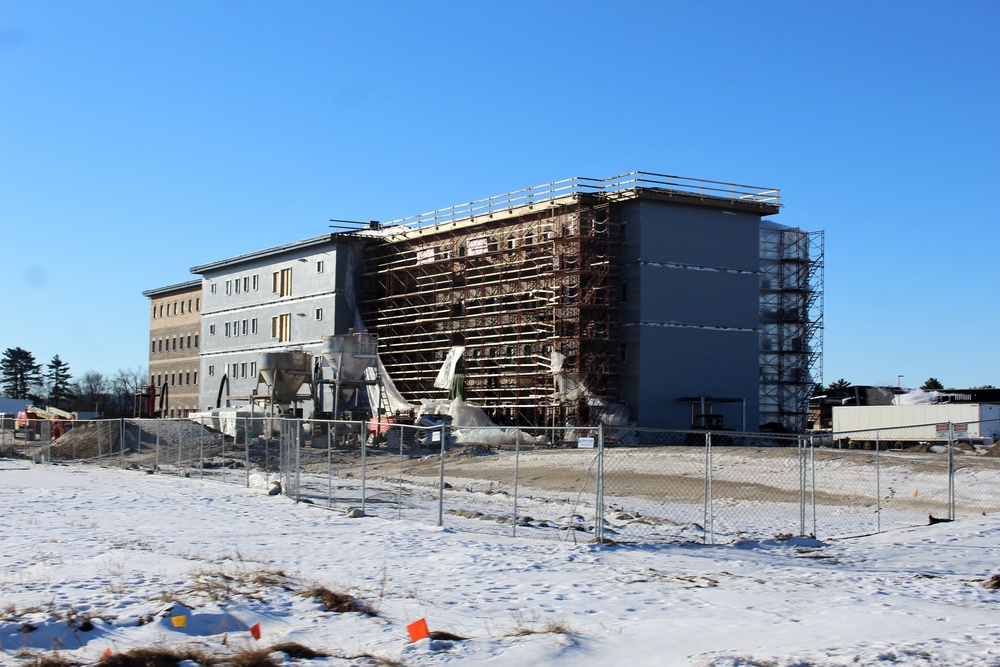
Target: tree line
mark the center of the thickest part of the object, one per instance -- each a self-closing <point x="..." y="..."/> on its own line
<point x="52" y="385"/>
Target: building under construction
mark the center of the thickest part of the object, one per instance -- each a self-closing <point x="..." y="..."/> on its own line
<point x="656" y="300"/>
<point x="647" y="297"/>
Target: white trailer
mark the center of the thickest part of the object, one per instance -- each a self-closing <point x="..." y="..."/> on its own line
<point x="974" y="423"/>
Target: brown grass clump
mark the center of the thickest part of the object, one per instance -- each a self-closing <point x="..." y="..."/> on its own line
<point x="143" y="657"/>
<point x="298" y="651"/>
<point x="259" y="657"/>
<point x="341" y="603"/>
<point x="50" y="660"/>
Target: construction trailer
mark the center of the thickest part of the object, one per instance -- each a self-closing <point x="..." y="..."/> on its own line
<point x="903" y="425"/>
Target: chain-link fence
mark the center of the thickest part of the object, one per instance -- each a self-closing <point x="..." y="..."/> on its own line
<point x="579" y="484"/>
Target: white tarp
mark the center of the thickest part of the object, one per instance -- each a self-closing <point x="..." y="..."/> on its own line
<point x="447" y="372"/>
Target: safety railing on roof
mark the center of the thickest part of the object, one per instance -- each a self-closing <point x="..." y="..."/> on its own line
<point x="614" y="187"/>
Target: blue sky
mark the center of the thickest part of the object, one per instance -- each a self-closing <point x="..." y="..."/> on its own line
<point x="139" y="139"/>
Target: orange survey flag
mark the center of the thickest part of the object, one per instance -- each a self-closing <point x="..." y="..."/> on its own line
<point x="418" y="630"/>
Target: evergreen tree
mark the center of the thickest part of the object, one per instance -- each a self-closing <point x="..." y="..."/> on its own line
<point x="839" y="384"/>
<point x="19" y="373"/>
<point x="58" y="378"/>
<point x="932" y="384"/>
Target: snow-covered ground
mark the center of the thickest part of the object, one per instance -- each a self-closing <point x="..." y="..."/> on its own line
<point x="99" y="562"/>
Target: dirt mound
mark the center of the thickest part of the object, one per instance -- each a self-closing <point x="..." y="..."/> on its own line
<point x="93" y="440"/>
<point x="994" y="450"/>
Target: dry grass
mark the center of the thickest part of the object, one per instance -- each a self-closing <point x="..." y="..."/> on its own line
<point x="298" y="651"/>
<point x="532" y="625"/>
<point x="341" y="603"/>
<point x="49" y="660"/>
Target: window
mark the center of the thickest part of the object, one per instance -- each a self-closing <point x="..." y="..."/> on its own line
<point x="189" y="342"/>
<point x="229" y="287"/>
<point x="477" y="246"/>
<point x="254" y="282"/>
<point x="152" y="346"/>
<point x="212" y="289"/>
<point x="189" y="305"/>
<point x="154" y="313"/>
<point x="244" y="327"/>
<point x="236" y="328"/>
<point x="319" y="266"/>
<point x="174" y="342"/>
<point x="253" y="326"/>
<point x="161" y="310"/>
<point x="253" y="369"/>
<point x="159" y="344"/>
<point x="196" y="377"/>
<point x="211" y="329"/>
<point x="187" y="378"/>
<point x="319" y="313"/>
<point x="196" y="340"/>
<point x="181" y="345"/>
<point x="175" y="307"/>
<point x="226" y="328"/>
<point x="246" y="283"/>
<point x="235" y="370"/>
<point x="197" y="303"/>
<point x="172" y="383"/>
<point x="237" y="285"/>
<point x="281" y="327"/>
<point x="182" y="307"/>
<point x="243" y="369"/>
<point x="281" y="282"/>
<point x="211" y="370"/>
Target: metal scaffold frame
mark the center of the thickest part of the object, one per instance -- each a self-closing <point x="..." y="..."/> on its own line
<point x="532" y="297"/>
<point x="791" y="324"/>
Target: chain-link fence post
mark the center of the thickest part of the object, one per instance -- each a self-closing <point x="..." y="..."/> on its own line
<point x="156" y="454"/>
<point x="441" y="434"/>
<point x="709" y="520"/>
<point x="599" y="500"/>
<point x="121" y="440"/>
<point x="364" y="468"/>
<point x="517" y="462"/>
<point x="812" y="466"/>
<point x="298" y="459"/>
<point x="201" y="452"/>
<point x="330" y="426"/>
<point x="180" y="447"/>
<point x="247" y="425"/>
<point x="399" y="483"/>
<point x="951" y="471"/>
<point x="878" y="484"/>
<point x="100" y="456"/>
<point x="800" y="448"/>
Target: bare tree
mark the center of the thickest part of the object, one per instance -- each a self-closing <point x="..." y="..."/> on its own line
<point x="90" y="391"/>
<point x="125" y="383"/>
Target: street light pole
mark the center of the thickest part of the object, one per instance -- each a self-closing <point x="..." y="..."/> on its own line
<point x="899" y="389"/>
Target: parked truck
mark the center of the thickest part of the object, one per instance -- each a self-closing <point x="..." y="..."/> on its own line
<point x="893" y="426"/>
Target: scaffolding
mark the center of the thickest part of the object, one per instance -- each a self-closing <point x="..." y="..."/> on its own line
<point x="791" y="323"/>
<point x="531" y="296"/>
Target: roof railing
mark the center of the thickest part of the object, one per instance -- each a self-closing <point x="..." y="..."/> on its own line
<point x="615" y="187"/>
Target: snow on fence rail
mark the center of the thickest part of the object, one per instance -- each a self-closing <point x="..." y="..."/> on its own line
<point x="624" y="485"/>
